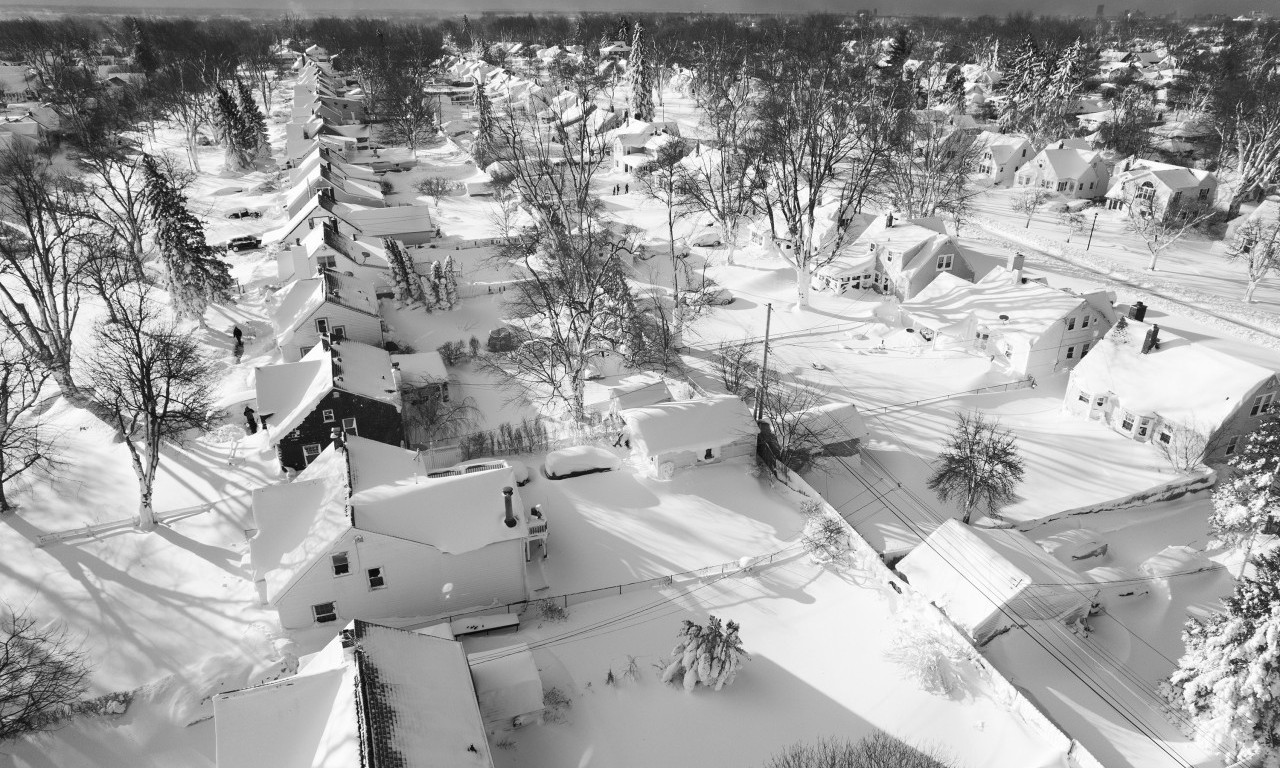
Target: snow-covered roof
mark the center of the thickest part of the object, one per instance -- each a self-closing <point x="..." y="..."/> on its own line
<point x="1167" y="175"/>
<point x="972" y="574"/>
<point x="628" y="390"/>
<point x="1184" y="382"/>
<point x="385" y="222"/>
<point x="303" y="297"/>
<point x="1002" y="146"/>
<point x="422" y="367"/>
<point x="299" y="521"/>
<point x="1030" y="308"/>
<point x="1068" y="163"/>
<point x="850" y="261"/>
<point x="690" y="424"/>
<point x="290" y="391"/>
<point x="454" y="513"/>
<point x="507" y="682"/>
<point x="371" y="463"/>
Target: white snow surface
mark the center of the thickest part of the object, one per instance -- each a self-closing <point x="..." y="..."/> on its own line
<point x="580" y="458"/>
<point x="689" y="425"/>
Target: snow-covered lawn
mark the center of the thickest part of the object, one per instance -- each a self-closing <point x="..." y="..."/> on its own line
<point x="815" y="670"/>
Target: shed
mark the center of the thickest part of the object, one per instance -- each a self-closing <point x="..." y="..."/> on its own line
<point x="508" y="687"/>
<point x="989" y="581"/>
<point x="666" y="437"/>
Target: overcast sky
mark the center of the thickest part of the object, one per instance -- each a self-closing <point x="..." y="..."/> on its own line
<point x="967" y="7"/>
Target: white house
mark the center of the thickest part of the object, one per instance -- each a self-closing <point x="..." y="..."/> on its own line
<point x="1146" y="186"/>
<point x="365" y="532"/>
<point x="1179" y="385"/>
<point x="1001" y="155"/>
<point x="666" y="437"/>
<point x="1073" y="173"/>
<point x="1028" y="327"/>
<point x="990" y="580"/>
<point x="910" y="254"/>
<point x="372" y="696"/>
<point x="329" y="305"/>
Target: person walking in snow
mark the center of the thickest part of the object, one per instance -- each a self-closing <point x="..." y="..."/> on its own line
<point x="238" y="351"/>
<point x="237" y="333"/>
<point x="250" y="422"/>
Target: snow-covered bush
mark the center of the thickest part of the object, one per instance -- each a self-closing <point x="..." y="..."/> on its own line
<point x="710" y="655"/>
<point x="879" y="750"/>
<point x="552" y="611"/>
<point x="556" y="703"/>
<point x="824" y="538"/>
<point x="931" y="658"/>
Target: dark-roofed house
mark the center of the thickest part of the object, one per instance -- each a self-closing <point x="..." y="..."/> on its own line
<point x="339" y="386"/>
<point x="367" y="531"/>
<point x="330" y="305"/>
<point x="373" y="696"/>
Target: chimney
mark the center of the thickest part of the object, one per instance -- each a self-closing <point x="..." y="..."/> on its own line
<point x="509" y="516"/>
<point x="1152" y="340"/>
<point x="1137" y="311"/>
<point x="1014" y="265"/>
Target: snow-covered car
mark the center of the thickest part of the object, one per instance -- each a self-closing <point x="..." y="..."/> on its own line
<point x="504" y="339"/>
<point x="579" y="460"/>
<point x="707" y="239"/>
<point x="244" y="243"/>
<point x="713" y="295"/>
<point x="1176" y="560"/>
<point x="1074" y="545"/>
<point x="1118" y="583"/>
<point x="243" y="213"/>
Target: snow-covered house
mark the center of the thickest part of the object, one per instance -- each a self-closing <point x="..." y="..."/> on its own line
<point x="1001" y="155"/>
<point x="910" y="254"/>
<point x="372" y="696"/>
<point x="1030" y="328"/>
<point x="632" y="138"/>
<point x="1073" y="173"/>
<point x="330" y="305"/>
<point x="990" y="580"/>
<point x="666" y="437"/>
<point x="339" y="387"/>
<point x="1149" y="187"/>
<point x="609" y="395"/>
<point x="1178" y="386"/>
<point x="365" y="532"/>
<point x="17" y="82"/>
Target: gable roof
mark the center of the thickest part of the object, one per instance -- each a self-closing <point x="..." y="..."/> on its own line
<point x="290" y="391"/>
<point x="1068" y="163"/>
<point x="303" y="297"/>
<point x="1001" y="145"/>
<point x="1031" y="308"/>
<point x="1184" y="382"/>
<point x="690" y="424"/>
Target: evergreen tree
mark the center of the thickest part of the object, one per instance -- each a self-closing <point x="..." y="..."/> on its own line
<point x="710" y="655"/>
<point x="1120" y="333"/>
<point x="450" y="282"/>
<point x="194" y="274"/>
<point x="466" y="38"/>
<point x="403" y="274"/>
<point x="624" y="29"/>
<point x="898" y="53"/>
<point x="1228" y="680"/>
<point x="253" y="123"/>
<point x="484" y="148"/>
<point x="641" y="75"/>
<point x="436" y="296"/>
<point x="1244" y="501"/>
<point x="235" y="132"/>
<point x="1069" y="75"/>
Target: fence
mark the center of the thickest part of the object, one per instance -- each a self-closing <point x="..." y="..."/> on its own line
<point x="723" y="570"/>
<point x="1022" y="384"/>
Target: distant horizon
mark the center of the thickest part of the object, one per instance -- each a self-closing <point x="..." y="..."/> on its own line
<point x="271" y="8"/>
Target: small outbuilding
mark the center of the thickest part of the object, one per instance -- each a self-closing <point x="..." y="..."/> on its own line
<point x="508" y="687"/>
<point x="666" y="437"/>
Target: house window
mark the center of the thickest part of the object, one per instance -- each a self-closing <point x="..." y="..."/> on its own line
<point x="310" y="452"/>
<point x="1232" y="444"/>
<point x="1084" y="322"/>
<point x="322" y="325"/>
<point x="338" y="333"/>
<point x="1144" y="426"/>
<point x="326" y="261"/>
<point x="1071" y="353"/>
<point x="1084" y="349"/>
<point x="1024" y="153"/>
<point x="1082" y="397"/>
<point x="709" y="455"/>
<point x="1126" y="422"/>
<point x="376" y="579"/>
<point x="325" y="612"/>
<point x="341" y="565"/>
<point x="1204" y="194"/>
<point x="1165" y="436"/>
<point x="1145" y="194"/>
<point x="1261" y="403"/>
<point x="1177" y="198"/>
<point x="1071" y="323"/>
<point x="349" y="426"/>
<point x="327" y="416"/>
<point x="944" y="261"/>
<point x="1062" y="186"/>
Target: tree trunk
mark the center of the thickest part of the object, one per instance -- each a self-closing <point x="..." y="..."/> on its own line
<point x="730" y="243"/>
<point x="1248" y="291"/>
<point x="968" y="516"/>
<point x="1151" y="265"/>
<point x="803" y="276"/>
<point x="61" y="372"/>
<point x="146" y="521"/>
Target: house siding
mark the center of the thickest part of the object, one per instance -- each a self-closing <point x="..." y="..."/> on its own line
<point x="737" y="449"/>
<point x="375" y="420"/>
<point x="415" y="574"/>
<point x="358" y="326"/>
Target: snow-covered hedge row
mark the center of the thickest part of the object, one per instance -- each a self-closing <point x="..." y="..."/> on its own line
<point x="1183" y="484"/>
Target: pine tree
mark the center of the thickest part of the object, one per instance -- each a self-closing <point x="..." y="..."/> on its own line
<point x="403" y="274"/>
<point x="1069" y="76"/>
<point x="899" y="51"/>
<point x="1120" y="333"/>
<point x="1228" y="680"/>
<point x="436" y="296"/>
<point x="252" y="122"/>
<point x="235" y="132"/>
<point x="450" y="282"/>
<point x="484" y="148"/>
<point x="640" y="74"/>
<point x="466" y="38"/>
<point x="1244" y="501"/>
<point x="194" y="275"/>
<point x="709" y="655"/>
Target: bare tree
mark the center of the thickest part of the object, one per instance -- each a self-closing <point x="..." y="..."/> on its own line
<point x="735" y="364"/>
<point x="43" y="672"/>
<point x="660" y="180"/>
<point x="429" y="417"/>
<point x="24" y="442"/>
<point x="1250" y="136"/>
<point x="43" y="224"/>
<point x="116" y="188"/>
<point x="1186" y="446"/>
<point x="1029" y="202"/>
<point x="879" y="750"/>
<point x="1257" y="246"/>
<point x="796" y="438"/>
<point x="154" y="382"/>
<point x="1160" y="227"/>
<point x="183" y="91"/>
<point x="979" y="466"/>
<point x="931" y="173"/>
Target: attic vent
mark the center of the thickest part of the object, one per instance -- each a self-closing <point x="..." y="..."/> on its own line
<point x="1004" y="318"/>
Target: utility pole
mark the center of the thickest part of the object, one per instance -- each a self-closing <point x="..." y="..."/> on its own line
<point x="764" y="364"/>
<point x="1091" y="228"/>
